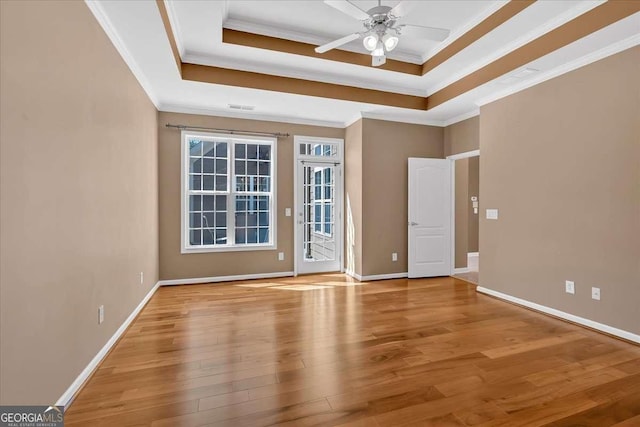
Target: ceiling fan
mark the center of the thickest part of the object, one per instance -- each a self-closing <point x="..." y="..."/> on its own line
<point x="382" y="29"/>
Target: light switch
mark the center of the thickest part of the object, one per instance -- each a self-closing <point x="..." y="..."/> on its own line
<point x="492" y="213"/>
<point x="287" y="212"/>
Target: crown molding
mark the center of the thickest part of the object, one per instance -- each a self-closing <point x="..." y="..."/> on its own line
<point x="175" y="26"/>
<point x="461" y="117"/>
<point x="235" y="64"/>
<point x="581" y="8"/>
<point x="247" y="115"/>
<point x="401" y="118"/>
<point x="102" y="18"/>
<point x="563" y="69"/>
<point x="299" y="36"/>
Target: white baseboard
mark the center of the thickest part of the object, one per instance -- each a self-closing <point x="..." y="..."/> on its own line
<point x="473" y="254"/>
<point x="377" y="276"/>
<point x="215" y="279"/>
<point x="561" y="314"/>
<point x="68" y="396"/>
<point x="461" y="270"/>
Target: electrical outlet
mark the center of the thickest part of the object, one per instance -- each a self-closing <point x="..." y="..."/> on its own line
<point x="142" y="277"/>
<point x="595" y="293"/>
<point x="100" y="314"/>
<point x="569" y="287"/>
<point x="394" y="256"/>
<point x="280" y="256"/>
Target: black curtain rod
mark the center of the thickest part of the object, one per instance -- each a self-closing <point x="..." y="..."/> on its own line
<point x="230" y="131"/>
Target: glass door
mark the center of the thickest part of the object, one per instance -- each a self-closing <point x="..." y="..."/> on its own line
<point x="318" y="217"/>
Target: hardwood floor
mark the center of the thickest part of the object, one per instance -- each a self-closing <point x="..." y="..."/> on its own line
<point x="326" y="350"/>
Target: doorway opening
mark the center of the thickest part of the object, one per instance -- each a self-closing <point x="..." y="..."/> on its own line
<point x="318" y="187"/>
<point x="466" y="212"/>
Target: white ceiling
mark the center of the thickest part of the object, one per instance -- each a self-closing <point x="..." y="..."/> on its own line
<point x="136" y="29"/>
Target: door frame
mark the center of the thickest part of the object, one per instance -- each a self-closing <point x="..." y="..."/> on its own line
<point x="452" y="158"/>
<point x="339" y="160"/>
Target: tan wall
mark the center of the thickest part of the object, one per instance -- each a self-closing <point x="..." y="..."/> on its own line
<point x="78" y="195"/>
<point x="173" y="264"/>
<point x="353" y="197"/>
<point x="462" y="136"/>
<point x="474" y="189"/>
<point x="561" y="162"/>
<point x="386" y="146"/>
<point x="461" y="212"/>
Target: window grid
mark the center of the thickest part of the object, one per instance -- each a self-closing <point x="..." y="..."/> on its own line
<point x="229" y="192"/>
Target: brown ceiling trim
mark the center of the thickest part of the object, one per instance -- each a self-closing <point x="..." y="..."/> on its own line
<point x="606" y="14"/>
<point x="305" y="49"/>
<point x="492" y="22"/>
<point x="167" y="27"/>
<point x="229" y="77"/>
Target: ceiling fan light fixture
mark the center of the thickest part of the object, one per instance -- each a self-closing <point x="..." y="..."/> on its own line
<point x="390" y="42"/>
<point x="379" y="50"/>
<point x="370" y="42"/>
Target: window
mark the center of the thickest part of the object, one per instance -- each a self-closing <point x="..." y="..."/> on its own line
<point x="323" y="199"/>
<point x="228" y="192"/>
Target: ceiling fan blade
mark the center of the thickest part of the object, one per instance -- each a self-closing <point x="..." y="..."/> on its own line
<point x="430" y="33"/>
<point x="401" y="9"/>
<point x="349" y="8"/>
<point x="332" y="45"/>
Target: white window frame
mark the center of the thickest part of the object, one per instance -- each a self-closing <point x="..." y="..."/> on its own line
<point x="185" y="246"/>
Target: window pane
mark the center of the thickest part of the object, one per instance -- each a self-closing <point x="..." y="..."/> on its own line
<point x="264" y="184"/>
<point x="221" y="236"/>
<point x="221" y="166"/>
<point x="195" y="220"/>
<point x="221" y="183"/>
<point x="208" y="148"/>
<point x="195" y="182"/>
<point x="195" y="147"/>
<point x="241" y="219"/>
<point x="240" y="167"/>
<point x="317" y="217"/>
<point x="207" y="165"/>
<point x="263" y="235"/>
<point x="241" y="236"/>
<point x="207" y="203"/>
<point x="252" y="235"/>
<point x="207" y="182"/>
<point x="252" y="168"/>
<point x="263" y="219"/>
<point x="241" y="151"/>
<point x="207" y="220"/>
<point x="327" y="213"/>
<point x="195" y="203"/>
<point x="264" y="168"/>
<point x="221" y="219"/>
<point x="252" y="219"/>
<point x="263" y="203"/>
<point x="194" y="237"/>
<point x="221" y="149"/>
<point x="208" y="236"/>
<point x="264" y="152"/>
<point x="221" y="203"/>
<point x="252" y="151"/>
<point x="195" y="165"/>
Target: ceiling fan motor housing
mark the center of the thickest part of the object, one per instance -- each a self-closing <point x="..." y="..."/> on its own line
<point x="380" y="20"/>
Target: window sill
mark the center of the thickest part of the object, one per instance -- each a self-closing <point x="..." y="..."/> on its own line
<point x="213" y="249"/>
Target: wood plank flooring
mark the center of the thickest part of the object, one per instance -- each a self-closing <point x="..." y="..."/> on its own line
<point x="326" y="350"/>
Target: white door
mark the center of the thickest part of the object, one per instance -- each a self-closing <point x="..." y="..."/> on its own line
<point x="429" y="217"/>
<point x="318" y="217"/>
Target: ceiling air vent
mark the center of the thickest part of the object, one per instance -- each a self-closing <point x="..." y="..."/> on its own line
<point x="241" y="107"/>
